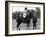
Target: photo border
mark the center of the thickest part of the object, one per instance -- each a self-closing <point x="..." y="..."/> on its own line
<point x="6" y="18"/>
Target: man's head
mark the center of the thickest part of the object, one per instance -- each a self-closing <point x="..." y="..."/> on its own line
<point x="25" y="8"/>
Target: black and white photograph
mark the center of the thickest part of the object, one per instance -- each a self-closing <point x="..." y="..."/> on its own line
<point x="24" y="18"/>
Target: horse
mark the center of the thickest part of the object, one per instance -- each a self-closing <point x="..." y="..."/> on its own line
<point x="24" y="17"/>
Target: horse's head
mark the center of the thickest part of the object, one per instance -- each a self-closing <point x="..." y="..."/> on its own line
<point x="31" y="13"/>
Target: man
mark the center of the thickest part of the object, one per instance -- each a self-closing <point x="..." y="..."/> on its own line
<point x="28" y="18"/>
<point x="27" y="10"/>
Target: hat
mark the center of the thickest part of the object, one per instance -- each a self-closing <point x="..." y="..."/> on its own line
<point x="26" y="8"/>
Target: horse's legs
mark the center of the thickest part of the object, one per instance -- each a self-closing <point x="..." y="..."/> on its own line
<point x="34" y="25"/>
<point x="18" y="28"/>
<point x="34" y="22"/>
<point x="28" y="26"/>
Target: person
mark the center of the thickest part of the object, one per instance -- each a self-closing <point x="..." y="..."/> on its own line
<point x="28" y="18"/>
<point x="28" y="11"/>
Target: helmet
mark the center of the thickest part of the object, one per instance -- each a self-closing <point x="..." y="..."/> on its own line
<point x="26" y="8"/>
